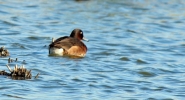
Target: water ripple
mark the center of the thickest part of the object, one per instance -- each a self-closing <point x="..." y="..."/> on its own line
<point x="136" y="47"/>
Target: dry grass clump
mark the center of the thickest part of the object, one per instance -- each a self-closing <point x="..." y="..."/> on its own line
<point x="18" y="73"/>
<point x="4" y="52"/>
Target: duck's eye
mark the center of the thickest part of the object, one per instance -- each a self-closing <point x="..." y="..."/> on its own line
<point x="81" y="32"/>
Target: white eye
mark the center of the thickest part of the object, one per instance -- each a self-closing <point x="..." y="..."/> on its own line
<point x="81" y="33"/>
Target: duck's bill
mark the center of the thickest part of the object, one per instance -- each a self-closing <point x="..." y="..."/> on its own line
<point x="85" y="39"/>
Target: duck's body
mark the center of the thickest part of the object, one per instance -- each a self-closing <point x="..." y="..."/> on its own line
<point x="69" y="45"/>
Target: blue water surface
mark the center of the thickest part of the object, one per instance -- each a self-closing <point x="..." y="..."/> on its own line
<point x="136" y="49"/>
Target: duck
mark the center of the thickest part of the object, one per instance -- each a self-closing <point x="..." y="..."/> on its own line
<point x="69" y="45"/>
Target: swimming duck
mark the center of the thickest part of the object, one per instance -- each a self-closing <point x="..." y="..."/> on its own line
<point x="69" y="45"/>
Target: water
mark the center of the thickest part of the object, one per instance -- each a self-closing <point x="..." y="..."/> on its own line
<point x="136" y="49"/>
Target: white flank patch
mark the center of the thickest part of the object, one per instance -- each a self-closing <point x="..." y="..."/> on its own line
<point x="56" y="51"/>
